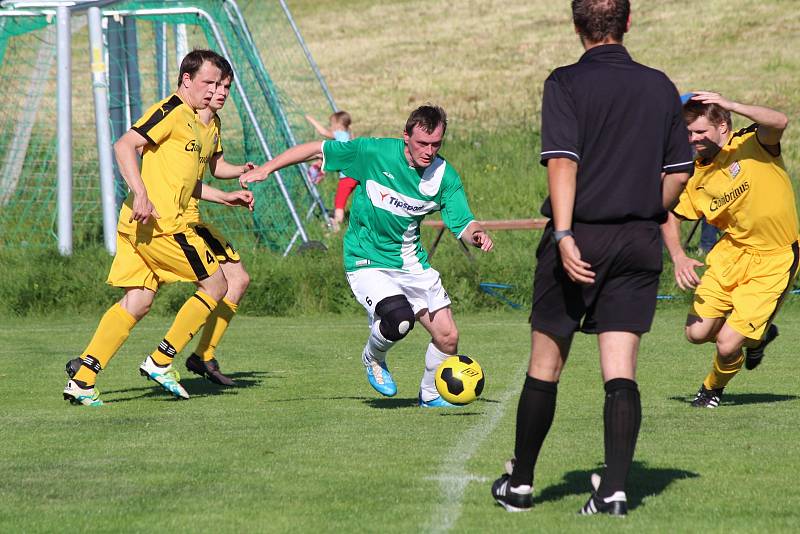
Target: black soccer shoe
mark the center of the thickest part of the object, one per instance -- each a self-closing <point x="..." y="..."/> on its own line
<point x="707" y="398"/>
<point x="755" y="355"/>
<point x="72" y="367"/>
<point x="509" y="499"/>
<point x="209" y="369"/>
<point x="617" y="505"/>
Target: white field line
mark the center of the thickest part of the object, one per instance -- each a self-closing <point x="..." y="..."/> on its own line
<point x="452" y="476"/>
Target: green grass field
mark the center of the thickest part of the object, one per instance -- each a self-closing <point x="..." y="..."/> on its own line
<point x="305" y="445"/>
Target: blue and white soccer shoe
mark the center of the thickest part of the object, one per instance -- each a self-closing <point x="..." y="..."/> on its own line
<point x="437" y="402"/>
<point x="81" y="396"/>
<point x="379" y="376"/>
<point x="167" y="377"/>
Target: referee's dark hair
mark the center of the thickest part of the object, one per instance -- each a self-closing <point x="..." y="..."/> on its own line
<point x="715" y="114"/>
<point x="427" y="117"/>
<point x="597" y="19"/>
<point x="194" y="60"/>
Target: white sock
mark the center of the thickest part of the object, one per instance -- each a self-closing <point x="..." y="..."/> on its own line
<point x="377" y="345"/>
<point x="433" y="358"/>
<point x="618" y="496"/>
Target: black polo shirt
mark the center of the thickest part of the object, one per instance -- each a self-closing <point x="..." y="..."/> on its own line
<point x="622" y="123"/>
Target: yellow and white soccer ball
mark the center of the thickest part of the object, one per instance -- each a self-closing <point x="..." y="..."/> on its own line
<point x="459" y="379"/>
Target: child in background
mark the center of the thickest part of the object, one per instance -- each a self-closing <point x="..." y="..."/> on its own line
<point x="340" y="131"/>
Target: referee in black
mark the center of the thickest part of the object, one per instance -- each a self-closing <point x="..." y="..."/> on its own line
<point x="617" y="155"/>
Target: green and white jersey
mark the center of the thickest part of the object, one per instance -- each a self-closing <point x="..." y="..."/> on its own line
<point x="390" y="202"/>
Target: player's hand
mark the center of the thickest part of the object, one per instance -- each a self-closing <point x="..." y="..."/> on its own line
<point x="481" y="240"/>
<point x="239" y="198"/>
<point x="709" y="97"/>
<point x="249" y="166"/>
<point x="578" y="270"/>
<point x="254" y="175"/>
<point x="685" y="275"/>
<point x="142" y="210"/>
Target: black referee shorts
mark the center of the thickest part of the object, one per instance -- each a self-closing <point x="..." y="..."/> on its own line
<point x="626" y="259"/>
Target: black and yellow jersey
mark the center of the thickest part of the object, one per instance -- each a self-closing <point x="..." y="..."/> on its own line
<point x="211" y="141"/>
<point x="170" y="165"/>
<point x="744" y="191"/>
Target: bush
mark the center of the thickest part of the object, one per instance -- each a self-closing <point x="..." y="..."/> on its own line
<point x="41" y="282"/>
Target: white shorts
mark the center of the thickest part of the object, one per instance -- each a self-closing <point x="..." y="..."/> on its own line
<point x="423" y="290"/>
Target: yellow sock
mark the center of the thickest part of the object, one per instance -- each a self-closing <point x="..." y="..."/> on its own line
<point x="723" y="370"/>
<point x="215" y="328"/>
<point x="192" y="315"/>
<point x="111" y="333"/>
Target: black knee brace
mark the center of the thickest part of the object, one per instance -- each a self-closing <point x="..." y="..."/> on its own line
<point x="397" y="317"/>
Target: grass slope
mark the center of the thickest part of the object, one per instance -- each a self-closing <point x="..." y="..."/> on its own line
<point x="304" y="444"/>
<point x="486" y="61"/>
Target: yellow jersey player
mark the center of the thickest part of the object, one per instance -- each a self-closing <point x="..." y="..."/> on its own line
<point x="203" y="361"/>
<point x="154" y="243"/>
<point x="740" y="185"/>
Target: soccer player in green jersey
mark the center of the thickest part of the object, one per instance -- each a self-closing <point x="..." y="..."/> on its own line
<point x="401" y="181"/>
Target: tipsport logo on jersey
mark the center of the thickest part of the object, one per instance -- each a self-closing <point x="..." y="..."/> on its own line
<point x="397" y="203"/>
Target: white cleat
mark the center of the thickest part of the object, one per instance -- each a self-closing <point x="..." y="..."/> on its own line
<point x="166" y="376"/>
<point x="80" y="396"/>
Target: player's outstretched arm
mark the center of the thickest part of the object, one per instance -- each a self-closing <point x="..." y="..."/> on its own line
<point x="771" y="123"/>
<point x="126" y="150"/>
<point x="475" y="235"/>
<point x="225" y="171"/>
<point x="562" y="176"/>
<point x="226" y="198"/>
<point x="296" y="154"/>
<point x="685" y="275"/>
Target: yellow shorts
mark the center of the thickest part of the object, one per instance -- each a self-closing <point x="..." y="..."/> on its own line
<point x="745" y="285"/>
<point x="220" y="246"/>
<point x="152" y="261"/>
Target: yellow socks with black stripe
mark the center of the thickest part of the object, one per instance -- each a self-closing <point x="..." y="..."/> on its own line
<point x="723" y="370"/>
<point x="192" y="315"/>
<point x="111" y="333"/>
<point x="215" y="328"/>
